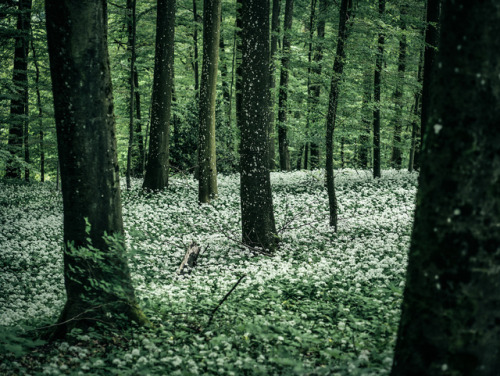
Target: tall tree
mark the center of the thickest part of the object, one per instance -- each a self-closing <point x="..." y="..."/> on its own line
<point x="366" y="122"/>
<point x="275" y="29"/>
<point x="41" y="132"/>
<point x="18" y="130"/>
<point x="131" y="28"/>
<point x="338" y="69"/>
<point x="397" y="157"/>
<point x="97" y="278"/>
<point x="312" y="18"/>
<point x="257" y="217"/>
<point x="450" y="320"/>
<point x="417" y="106"/>
<point x="376" y="94"/>
<point x="207" y="189"/>
<point x="161" y="101"/>
<point x="315" y="85"/>
<point x="430" y="50"/>
<point x="283" y="92"/>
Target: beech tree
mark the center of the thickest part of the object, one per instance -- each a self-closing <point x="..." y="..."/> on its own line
<point x="96" y="274"/>
<point x="206" y="146"/>
<point x="257" y="216"/>
<point x="449" y="323"/>
<point x="18" y="131"/>
<point x="157" y="166"/>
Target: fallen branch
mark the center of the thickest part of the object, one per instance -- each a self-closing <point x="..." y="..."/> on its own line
<point x="189" y="260"/>
<point x="224" y="299"/>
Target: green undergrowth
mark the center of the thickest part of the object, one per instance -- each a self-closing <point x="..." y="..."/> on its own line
<point x="324" y="304"/>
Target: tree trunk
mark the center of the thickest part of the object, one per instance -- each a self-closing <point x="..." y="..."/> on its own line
<point x="376" y="95"/>
<point x="131" y="22"/>
<point x="417" y="106"/>
<point x="283" y="92"/>
<point x="97" y="277"/>
<point x="138" y="153"/>
<point x="157" y="167"/>
<point x="366" y="123"/>
<point x="18" y="130"/>
<point x="257" y="217"/>
<point x="338" y="69"/>
<point x="450" y="318"/>
<point x="226" y="95"/>
<point x="207" y="189"/>
<point x="397" y="157"/>
<point x="275" y="29"/>
<point x="316" y="87"/>
<point x="312" y="18"/>
<point x="430" y="50"/>
<point x="238" y="57"/>
<point x="40" y="111"/>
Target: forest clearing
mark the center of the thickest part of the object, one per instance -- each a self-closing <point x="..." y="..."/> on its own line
<point x="324" y="303"/>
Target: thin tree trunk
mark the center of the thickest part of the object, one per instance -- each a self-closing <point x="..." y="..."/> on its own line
<point x="417" y="106"/>
<point x="138" y="156"/>
<point x="450" y="318"/>
<point x="283" y="92"/>
<point x="366" y="122"/>
<point x="431" y="42"/>
<point x="238" y="57"/>
<point x="376" y="96"/>
<point x="397" y="157"/>
<point x="97" y="291"/>
<point x="195" y="45"/>
<point x="316" y="87"/>
<point x="40" y="111"/>
<point x="207" y="188"/>
<point x="309" y="86"/>
<point x="157" y="167"/>
<point x="131" y="21"/>
<point x="338" y="68"/>
<point x="226" y="96"/>
<point x="257" y="217"/>
<point x="18" y="130"/>
<point x="275" y="29"/>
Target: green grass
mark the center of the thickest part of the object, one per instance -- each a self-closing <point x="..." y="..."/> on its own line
<point x="325" y="303"/>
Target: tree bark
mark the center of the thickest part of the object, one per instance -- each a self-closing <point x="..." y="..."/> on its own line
<point x="131" y="21"/>
<point x="430" y="50"/>
<point x="397" y="156"/>
<point x="97" y="277"/>
<point x="40" y="111"/>
<point x="275" y="29"/>
<point x="413" y="162"/>
<point x="207" y="188"/>
<point x="283" y="91"/>
<point x="312" y="17"/>
<point x="338" y="69"/>
<point x="449" y="323"/>
<point x="18" y="130"/>
<point x="366" y="122"/>
<point x="157" y="167"/>
<point x="257" y="217"/>
<point x="376" y="96"/>
<point x="316" y="87"/>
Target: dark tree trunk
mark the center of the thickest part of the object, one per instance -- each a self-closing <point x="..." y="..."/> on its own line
<point x="97" y="291"/>
<point x="376" y="96"/>
<point x="257" y="217"/>
<point x="275" y="29"/>
<point x="338" y="69"/>
<point x="430" y="50"/>
<point x="312" y="17"/>
<point x="138" y="153"/>
<point x="18" y="130"/>
<point x="195" y="45"/>
<point x="40" y="112"/>
<point x="366" y="122"/>
<point x="239" y="15"/>
<point x="226" y="95"/>
<point x="283" y="92"/>
<point x="450" y="313"/>
<point x="131" y="23"/>
<point x="316" y="87"/>
<point x="397" y="157"/>
<point x="207" y="179"/>
<point x="157" y="167"/>
<point x="417" y="106"/>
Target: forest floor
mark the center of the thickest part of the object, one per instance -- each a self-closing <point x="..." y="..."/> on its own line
<point x="325" y="303"/>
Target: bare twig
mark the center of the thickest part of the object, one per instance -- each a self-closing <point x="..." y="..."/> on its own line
<point x="224" y="299"/>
